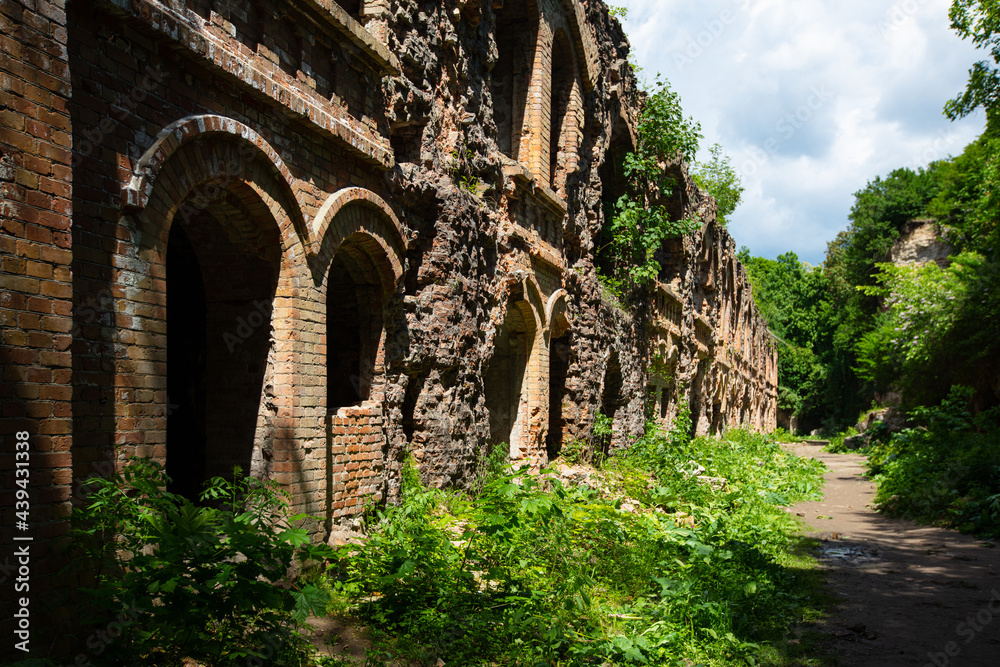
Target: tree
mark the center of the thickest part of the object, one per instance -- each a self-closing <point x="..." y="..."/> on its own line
<point x="792" y="298"/>
<point x="718" y="177"/>
<point x="978" y="20"/>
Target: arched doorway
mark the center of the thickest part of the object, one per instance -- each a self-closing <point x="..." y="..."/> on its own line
<point x="560" y="357"/>
<point x="223" y="259"/>
<point x="354" y="324"/>
<point x="612" y="398"/>
<point x="505" y="379"/>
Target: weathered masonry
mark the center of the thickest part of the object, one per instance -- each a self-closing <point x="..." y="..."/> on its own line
<point x="309" y="237"/>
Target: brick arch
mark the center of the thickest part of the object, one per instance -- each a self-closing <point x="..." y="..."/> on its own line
<point x="136" y="193"/>
<point x="201" y="169"/>
<point x="364" y="217"/>
<point x="557" y="319"/>
<point x="216" y="186"/>
<point x="533" y="296"/>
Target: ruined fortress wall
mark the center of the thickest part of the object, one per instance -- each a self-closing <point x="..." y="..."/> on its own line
<point x="311" y="239"/>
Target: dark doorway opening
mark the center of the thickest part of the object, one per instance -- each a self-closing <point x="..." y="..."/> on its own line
<point x="611" y="395"/>
<point x="222" y="274"/>
<point x="505" y="376"/>
<point x="560" y="351"/>
<point x="353" y="326"/>
<point x="186" y="340"/>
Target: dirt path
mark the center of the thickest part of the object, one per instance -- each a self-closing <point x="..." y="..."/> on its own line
<point x="909" y="594"/>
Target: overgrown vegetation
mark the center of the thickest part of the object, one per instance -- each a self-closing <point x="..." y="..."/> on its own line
<point x="642" y="222"/>
<point x="718" y="178"/>
<point x="858" y="328"/>
<point x="680" y="552"/>
<point x="206" y="582"/>
<point x="945" y="468"/>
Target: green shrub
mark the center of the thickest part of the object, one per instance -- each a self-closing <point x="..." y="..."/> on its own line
<point x="204" y="581"/>
<point x="663" y="567"/>
<point x="945" y="469"/>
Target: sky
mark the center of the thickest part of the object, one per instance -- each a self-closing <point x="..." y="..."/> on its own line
<point x="811" y="99"/>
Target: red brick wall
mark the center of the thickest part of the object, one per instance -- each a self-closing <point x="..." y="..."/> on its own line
<point x="36" y="289"/>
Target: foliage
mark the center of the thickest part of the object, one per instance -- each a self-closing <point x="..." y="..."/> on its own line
<point x="838" y="322"/>
<point x="792" y="298"/>
<point x="945" y="469"/>
<point x="603" y="431"/>
<point x="619" y="11"/>
<point x="642" y="221"/>
<point x="663" y="568"/>
<point x="978" y="20"/>
<point x="836" y="445"/>
<point x="720" y="180"/>
<point x="461" y="170"/>
<point x="194" y="581"/>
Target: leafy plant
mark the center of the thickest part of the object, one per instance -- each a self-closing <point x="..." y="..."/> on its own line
<point x="460" y="170"/>
<point x="207" y="581"/>
<point x="642" y="221"/>
<point x="720" y="180"/>
<point x="619" y="11"/>
<point x="657" y="568"/>
<point x="945" y="469"/>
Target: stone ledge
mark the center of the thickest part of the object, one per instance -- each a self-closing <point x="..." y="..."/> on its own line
<point x="349" y="27"/>
<point x="520" y="175"/>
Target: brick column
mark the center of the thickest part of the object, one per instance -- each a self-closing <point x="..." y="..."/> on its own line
<point x="35" y="297"/>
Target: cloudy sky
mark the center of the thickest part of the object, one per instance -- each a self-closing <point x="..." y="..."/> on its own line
<point x="810" y="98"/>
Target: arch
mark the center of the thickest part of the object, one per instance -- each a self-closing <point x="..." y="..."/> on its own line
<point x="356" y="291"/>
<point x="557" y="319"/>
<point x="136" y="193"/>
<point x="565" y="111"/>
<point x="216" y="217"/>
<point x="533" y="296"/>
<point x="507" y="376"/>
<point x="205" y="168"/>
<point x="612" y="398"/>
<point x="359" y="211"/>
<point x="221" y="260"/>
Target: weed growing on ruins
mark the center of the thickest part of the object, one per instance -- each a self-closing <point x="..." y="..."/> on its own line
<point x="642" y="221"/>
<point x="620" y="12"/>
<point x="460" y="170"/>
<point x="683" y="553"/>
<point x="206" y="581"/>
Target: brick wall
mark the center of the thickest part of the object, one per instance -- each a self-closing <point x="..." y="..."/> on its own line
<point x="36" y="291"/>
<point x="238" y="234"/>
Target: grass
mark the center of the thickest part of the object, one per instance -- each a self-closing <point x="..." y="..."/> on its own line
<point x="682" y="554"/>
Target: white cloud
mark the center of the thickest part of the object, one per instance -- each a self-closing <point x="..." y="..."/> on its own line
<point x="811" y="99"/>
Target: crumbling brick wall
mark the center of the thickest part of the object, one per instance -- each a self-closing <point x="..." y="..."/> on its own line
<point x="312" y="239"/>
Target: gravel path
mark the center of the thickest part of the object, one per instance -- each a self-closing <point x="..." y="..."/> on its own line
<point x="909" y="594"/>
